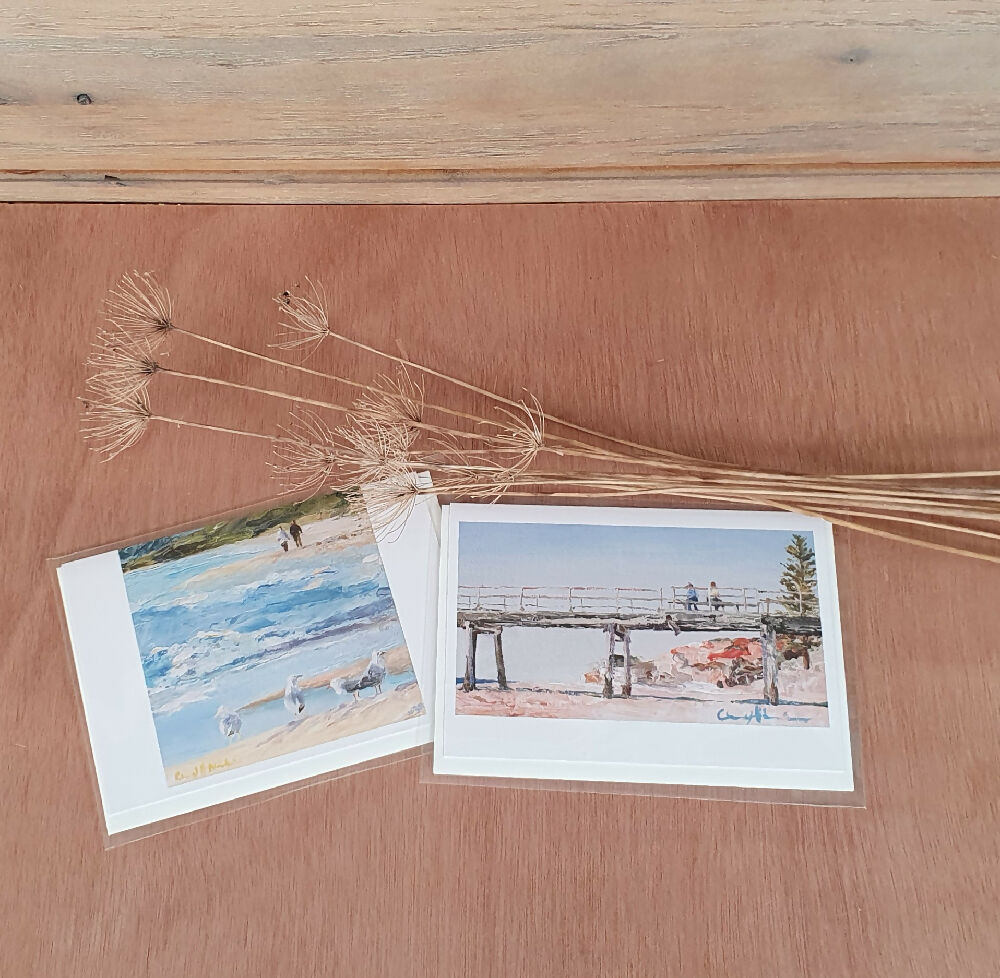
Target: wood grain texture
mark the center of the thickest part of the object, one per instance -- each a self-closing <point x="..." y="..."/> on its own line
<point x="452" y="100"/>
<point x="811" y="335"/>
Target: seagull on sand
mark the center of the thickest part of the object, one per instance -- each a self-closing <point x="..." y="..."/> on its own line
<point x="372" y="677"/>
<point x="295" y="702"/>
<point x="229" y="722"/>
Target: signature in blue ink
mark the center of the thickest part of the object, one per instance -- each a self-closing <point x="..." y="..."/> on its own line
<point x="756" y="716"/>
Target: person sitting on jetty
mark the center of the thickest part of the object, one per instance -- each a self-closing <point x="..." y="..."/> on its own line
<point x="692" y="597"/>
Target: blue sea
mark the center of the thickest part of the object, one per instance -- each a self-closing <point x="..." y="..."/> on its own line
<point x="230" y="625"/>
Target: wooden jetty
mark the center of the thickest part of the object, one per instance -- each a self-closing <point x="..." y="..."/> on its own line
<point x="486" y="610"/>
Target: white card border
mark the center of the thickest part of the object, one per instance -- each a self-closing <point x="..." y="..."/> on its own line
<point x="506" y="747"/>
<point x="119" y="722"/>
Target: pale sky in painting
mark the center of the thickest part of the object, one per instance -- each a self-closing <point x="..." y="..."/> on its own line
<point x="563" y="555"/>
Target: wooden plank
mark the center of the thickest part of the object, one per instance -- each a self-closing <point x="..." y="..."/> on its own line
<point x="769" y="662"/>
<point x="609" y="673"/>
<point x="677" y="622"/>
<point x="626" y="664"/>
<point x="469" y="682"/>
<point x="449" y="100"/>
<point x="501" y="667"/>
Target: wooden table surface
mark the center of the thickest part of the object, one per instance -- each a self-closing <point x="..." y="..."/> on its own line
<point x="810" y="335"/>
<point x="460" y="100"/>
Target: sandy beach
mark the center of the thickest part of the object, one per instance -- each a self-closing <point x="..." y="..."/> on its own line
<point x="330" y="536"/>
<point x="697" y="703"/>
<point x="401" y="703"/>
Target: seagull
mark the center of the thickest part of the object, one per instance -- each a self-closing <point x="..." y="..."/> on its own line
<point x="229" y="722"/>
<point x="372" y="676"/>
<point x="295" y="702"/>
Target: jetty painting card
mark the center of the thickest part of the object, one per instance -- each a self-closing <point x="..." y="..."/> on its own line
<point x="641" y="645"/>
<point x="250" y="652"/>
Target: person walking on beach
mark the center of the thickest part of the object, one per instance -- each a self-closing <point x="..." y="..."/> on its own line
<point x="692" y="597"/>
<point x="713" y="596"/>
<point x="283" y="538"/>
<point x="296" y="532"/>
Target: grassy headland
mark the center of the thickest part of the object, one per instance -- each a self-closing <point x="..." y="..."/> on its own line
<point x="230" y="531"/>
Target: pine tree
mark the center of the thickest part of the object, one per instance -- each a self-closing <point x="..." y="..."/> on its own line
<point x="798" y="581"/>
<point x="798" y="578"/>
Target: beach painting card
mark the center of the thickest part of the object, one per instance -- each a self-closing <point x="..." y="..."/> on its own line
<point x="673" y="646"/>
<point x="251" y="651"/>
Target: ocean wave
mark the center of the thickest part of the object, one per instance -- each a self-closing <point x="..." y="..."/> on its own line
<point x="210" y="652"/>
<point x="203" y="623"/>
<point x="170" y="699"/>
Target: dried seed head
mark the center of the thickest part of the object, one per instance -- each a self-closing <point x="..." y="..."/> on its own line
<point x="523" y="435"/>
<point x="140" y="306"/>
<point x="113" y="426"/>
<point x="305" y="453"/>
<point x="305" y="319"/>
<point x="122" y="365"/>
<point x="388" y="503"/>
<point x="395" y="400"/>
<point x="369" y="451"/>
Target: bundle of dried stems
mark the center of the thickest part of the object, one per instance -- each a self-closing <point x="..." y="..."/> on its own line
<point x="390" y="434"/>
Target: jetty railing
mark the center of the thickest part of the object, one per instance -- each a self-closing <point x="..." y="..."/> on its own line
<point x="629" y="600"/>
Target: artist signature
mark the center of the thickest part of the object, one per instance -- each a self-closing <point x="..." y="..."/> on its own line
<point x="757" y="715"/>
<point x="201" y="769"/>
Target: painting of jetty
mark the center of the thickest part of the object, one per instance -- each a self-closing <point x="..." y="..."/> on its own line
<point x="670" y="623"/>
<point x="266" y="635"/>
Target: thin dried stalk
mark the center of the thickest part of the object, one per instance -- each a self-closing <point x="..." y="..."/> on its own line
<point x="111" y="427"/>
<point x="888" y="535"/>
<point x="124" y="366"/>
<point x="932" y="524"/>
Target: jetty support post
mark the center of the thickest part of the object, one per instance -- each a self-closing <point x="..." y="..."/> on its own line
<point x="609" y="674"/>
<point x="627" y="683"/>
<point x="469" y="683"/>
<point x="501" y="669"/>
<point x="769" y="661"/>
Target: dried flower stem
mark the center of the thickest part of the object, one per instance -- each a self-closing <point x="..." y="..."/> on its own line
<point x="830" y="516"/>
<point x="932" y="524"/>
<point x="243" y="433"/>
<point x="336" y="378"/>
<point x="236" y="385"/>
<point x="285" y="364"/>
<point x="888" y="535"/>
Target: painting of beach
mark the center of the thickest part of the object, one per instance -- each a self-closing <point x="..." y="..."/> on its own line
<point x="265" y="635"/>
<point x="688" y="624"/>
